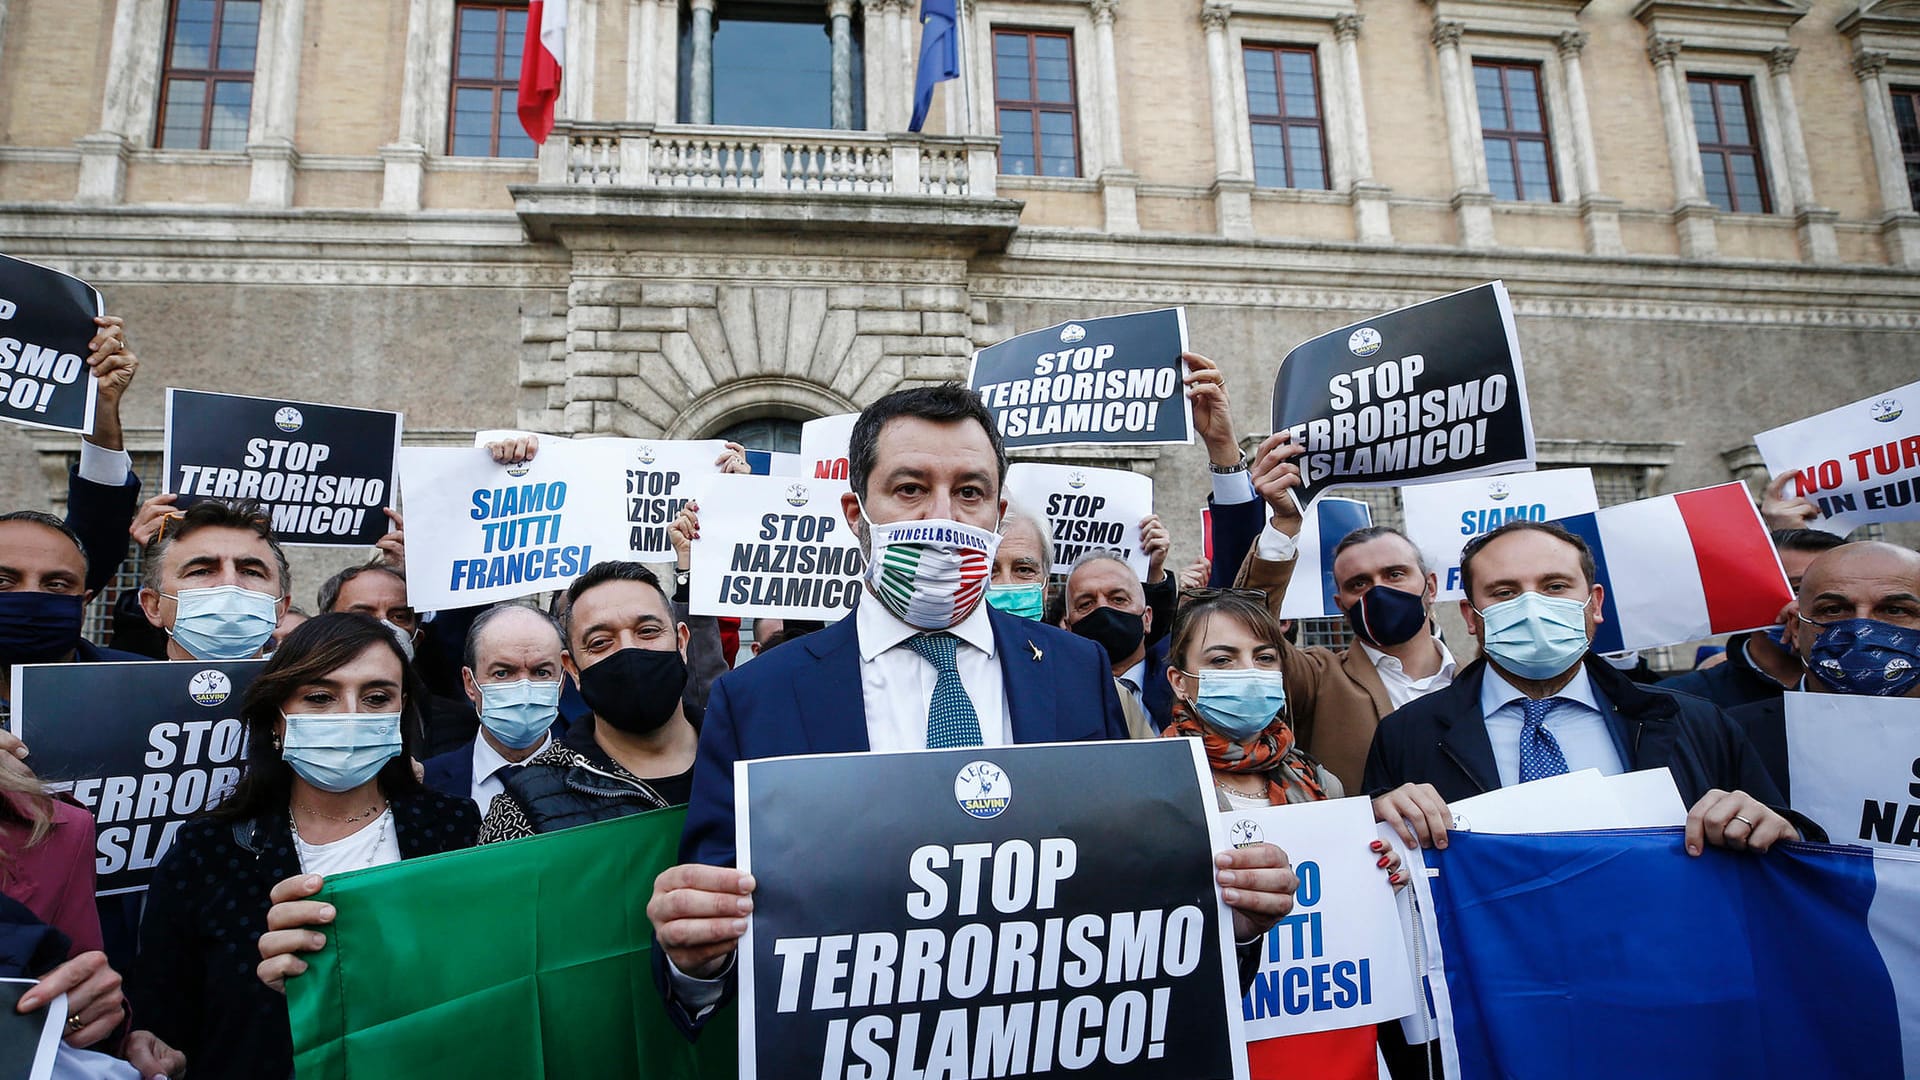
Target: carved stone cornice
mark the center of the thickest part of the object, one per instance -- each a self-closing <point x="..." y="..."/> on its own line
<point x="1446" y="35"/>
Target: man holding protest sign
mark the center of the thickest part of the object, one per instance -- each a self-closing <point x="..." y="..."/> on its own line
<point x="1857" y="631"/>
<point x="1533" y="605"/>
<point x="1384" y="587"/>
<point x="921" y="663"/>
<point x="102" y="490"/>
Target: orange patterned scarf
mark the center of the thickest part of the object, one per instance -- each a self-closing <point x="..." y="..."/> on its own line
<point x="1292" y="774"/>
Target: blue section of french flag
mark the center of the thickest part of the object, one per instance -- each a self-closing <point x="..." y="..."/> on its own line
<point x="1614" y="954"/>
<point x="1682" y="567"/>
<point x="1331" y="519"/>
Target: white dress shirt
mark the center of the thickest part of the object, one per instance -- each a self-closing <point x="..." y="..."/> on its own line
<point x="1401" y="687"/>
<point x="100" y="465"/>
<point x="1137" y="675"/>
<point x="487" y="761"/>
<point x="896" y="683"/>
<point x="1578" y="723"/>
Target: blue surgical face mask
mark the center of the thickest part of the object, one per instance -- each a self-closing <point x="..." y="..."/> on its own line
<point x="1028" y="601"/>
<point x="1866" y="656"/>
<point x="225" y="622"/>
<point x="519" y="713"/>
<point x="1534" y="636"/>
<point x="340" y="751"/>
<point x="1242" y="702"/>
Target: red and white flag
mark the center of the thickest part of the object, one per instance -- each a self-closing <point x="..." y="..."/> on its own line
<point x="544" y="53"/>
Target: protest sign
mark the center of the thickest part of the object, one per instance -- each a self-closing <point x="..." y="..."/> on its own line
<point x="1310" y="594"/>
<point x="1859" y="463"/>
<point x="1337" y="960"/>
<point x="480" y="532"/>
<point x="143" y="746"/>
<point x="1085" y="509"/>
<point x="655" y="479"/>
<point x="323" y="471"/>
<point x="560" y="988"/>
<point x="1116" y="380"/>
<point x="29" y="1042"/>
<point x="1853" y="765"/>
<point x="1206" y="533"/>
<point x="46" y="321"/>
<point x="774" y="546"/>
<point x="1441" y="518"/>
<point x="1022" y="926"/>
<point x="823" y="446"/>
<point x="1427" y="392"/>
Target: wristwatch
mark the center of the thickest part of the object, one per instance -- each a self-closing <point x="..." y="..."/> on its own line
<point x="1229" y="470"/>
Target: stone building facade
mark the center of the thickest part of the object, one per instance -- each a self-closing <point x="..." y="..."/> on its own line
<point x="1704" y="209"/>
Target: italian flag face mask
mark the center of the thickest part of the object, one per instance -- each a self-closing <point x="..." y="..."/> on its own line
<point x="930" y="573"/>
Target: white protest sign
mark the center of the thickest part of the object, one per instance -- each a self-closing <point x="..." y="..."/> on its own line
<point x="1085" y="509"/>
<point x="1853" y="765"/>
<point x="823" y="446"/>
<point x="654" y="479"/>
<point x="487" y="436"/>
<point x="479" y="532"/>
<point x="1859" y="463"/>
<point x="775" y="546"/>
<point x="1570" y="802"/>
<point x="1338" y="960"/>
<point x="1442" y="518"/>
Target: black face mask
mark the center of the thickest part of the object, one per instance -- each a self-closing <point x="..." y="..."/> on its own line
<point x="38" y="627"/>
<point x="1384" y="616"/>
<point x="635" y="690"/>
<point x="1118" y="632"/>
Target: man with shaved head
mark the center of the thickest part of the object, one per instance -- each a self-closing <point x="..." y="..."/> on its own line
<point x="1857" y="631"/>
<point x="511" y="673"/>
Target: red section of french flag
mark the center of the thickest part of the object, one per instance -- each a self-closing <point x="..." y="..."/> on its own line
<point x="540" y="60"/>
<point x="1345" y="1054"/>
<point x="1739" y="571"/>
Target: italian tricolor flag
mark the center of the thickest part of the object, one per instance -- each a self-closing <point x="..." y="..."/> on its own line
<point x="543" y="53"/>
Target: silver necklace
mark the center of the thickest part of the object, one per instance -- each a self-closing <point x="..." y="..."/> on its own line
<point x="373" y="852"/>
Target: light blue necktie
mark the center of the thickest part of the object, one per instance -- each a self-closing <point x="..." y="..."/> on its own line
<point x="1540" y="754"/>
<point x="951" y="720"/>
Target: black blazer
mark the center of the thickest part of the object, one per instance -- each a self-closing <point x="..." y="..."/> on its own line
<point x="194" y="983"/>
<point x="1441" y="739"/>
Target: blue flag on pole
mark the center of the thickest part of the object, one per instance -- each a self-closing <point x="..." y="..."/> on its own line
<point x="1612" y="954"/>
<point x="939" y="56"/>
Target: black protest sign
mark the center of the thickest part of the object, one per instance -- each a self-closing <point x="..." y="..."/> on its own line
<point x="993" y="921"/>
<point x="324" y="471"/>
<point x="1116" y="380"/>
<point x="46" y="322"/>
<point x="1427" y="392"/>
<point x="144" y="746"/>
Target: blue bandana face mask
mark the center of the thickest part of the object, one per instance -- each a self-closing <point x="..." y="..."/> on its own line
<point x="1866" y="656"/>
<point x="1028" y="600"/>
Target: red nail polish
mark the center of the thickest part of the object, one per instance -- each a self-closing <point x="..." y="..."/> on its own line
<point x="1382" y="863"/>
<point x="1378" y="845"/>
<point x="1394" y="880"/>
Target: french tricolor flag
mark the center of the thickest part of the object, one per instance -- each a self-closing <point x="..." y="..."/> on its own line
<point x="1682" y="567"/>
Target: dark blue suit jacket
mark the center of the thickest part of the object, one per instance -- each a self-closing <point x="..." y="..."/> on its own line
<point x="1158" y="692"/>
<point x="805" y="698"/>
<point x="101" y="515"/>
<point x="451" y="773"/>
<point x="1236" y="526"/>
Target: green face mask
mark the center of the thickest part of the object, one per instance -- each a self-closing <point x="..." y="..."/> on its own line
<point x="1028" y="601"/>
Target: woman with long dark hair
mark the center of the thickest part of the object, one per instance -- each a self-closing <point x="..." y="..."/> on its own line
<point x="329" y="787"/>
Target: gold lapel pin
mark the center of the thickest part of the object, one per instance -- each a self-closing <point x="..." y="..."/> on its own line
<point x="1036" y="650"/>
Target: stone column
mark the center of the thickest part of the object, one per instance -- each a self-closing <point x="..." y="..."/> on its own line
<point x="874" y="23"/>
<point x="956" y="95"/>
<point x="901" y="15"/>
<point x="666" y="61"/>
<point x="1814" y="222"/>
<point x="423" y="101"/>
<point x="576" y="80"/>
<point x="1472" y="202"/>
<point x="276" y="94"/>
<point x="840" y="20"/>
<point x="127" y="107"/>
<point x="1118" y="185"/>
<point x="1372" y="220"/>
<point x="642" y="103"/>
<point x="1899" y="224"/>
<point x="1232" y="182"/>
<point x="3" y="28"/>
<point x="1693" y="215"/>
<point x="1599" y="214"/>
<point x="700" y="108"/>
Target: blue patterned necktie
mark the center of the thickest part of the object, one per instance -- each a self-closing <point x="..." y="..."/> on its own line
<point x="1540" y="754"/>
<point x="951" y="720"/>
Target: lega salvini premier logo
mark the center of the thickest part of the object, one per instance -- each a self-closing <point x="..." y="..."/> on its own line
<point x="983" y="790"/>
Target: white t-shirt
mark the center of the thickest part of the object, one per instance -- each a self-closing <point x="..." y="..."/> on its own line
<point x="373" y="844"/>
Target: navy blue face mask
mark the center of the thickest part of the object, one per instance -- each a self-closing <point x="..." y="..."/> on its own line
<point x="1866" y="656"/>
<point x="39" y="627"/>
<point x="1385" y="616"/>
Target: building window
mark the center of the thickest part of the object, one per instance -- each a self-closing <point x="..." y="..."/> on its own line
<point x="1033" y="93"/>
<point x="777" y="434"/>
<point x="484" y="120"/>
<point x="1283" y="105"/>
<point x="1513" y="125"/>
<point x="1906" y="120"/>
<point x="772" y="66"/>
<point x="207" y="85"/>
<point x="1729" y="144"/>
